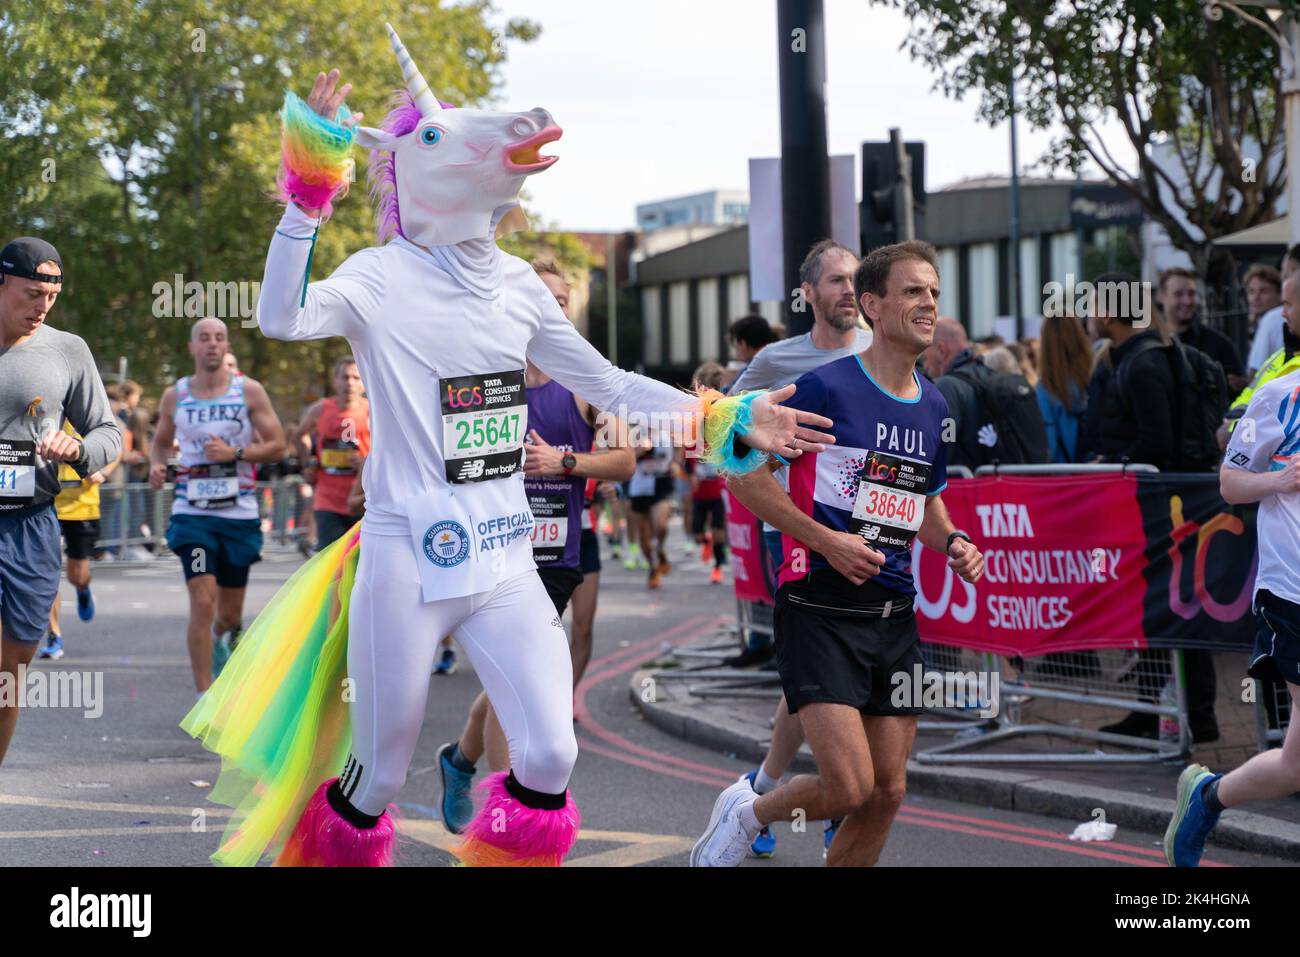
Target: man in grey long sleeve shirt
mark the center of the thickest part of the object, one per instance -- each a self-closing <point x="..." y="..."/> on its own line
<point x="46" y="377"/>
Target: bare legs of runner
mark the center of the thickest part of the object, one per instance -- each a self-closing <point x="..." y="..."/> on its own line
<point x="212" y="609"/>
<point x="862" y="777"/>
<point x="13" y="653"/>
<point x="1273" y="774"/>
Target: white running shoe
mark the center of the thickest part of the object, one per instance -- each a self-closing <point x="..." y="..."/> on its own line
<point x="725" y="843"/>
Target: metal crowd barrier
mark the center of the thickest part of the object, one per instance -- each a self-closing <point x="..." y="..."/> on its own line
<point x="1103" y="681"/>
<point x="133" y="518"/>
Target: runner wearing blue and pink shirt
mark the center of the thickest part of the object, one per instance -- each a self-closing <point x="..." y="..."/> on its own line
<point x="844" y="621"/>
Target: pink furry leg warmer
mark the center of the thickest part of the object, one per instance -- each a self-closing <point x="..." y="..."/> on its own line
<point x="519" y="827"/>
<point x="331" y="833"/>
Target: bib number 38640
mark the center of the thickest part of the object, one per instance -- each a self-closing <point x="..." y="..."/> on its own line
<point x="890" y="503"/>
<point x="484" y="421"/>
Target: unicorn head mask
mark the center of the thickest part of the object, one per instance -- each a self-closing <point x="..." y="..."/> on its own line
<point x="443" y="175"/>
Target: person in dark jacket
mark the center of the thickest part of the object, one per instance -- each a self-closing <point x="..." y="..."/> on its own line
<point x="1133" y="410"/>
<point x="1132" y="416"/>
<point x="952" y="352"/>
<point x="1180" y="301"/>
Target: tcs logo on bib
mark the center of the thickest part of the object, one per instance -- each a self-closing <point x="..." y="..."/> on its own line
<point x="880" y="471"/>
<point x="465" y="397"/>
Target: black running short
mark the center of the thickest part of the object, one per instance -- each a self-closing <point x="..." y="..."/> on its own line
<point x="833" y="646"/>
<point x="663" y="490"/>
<point x="560" y="584"/>
<point x="589" y="552"/>
<point x="79" y="537"/>
<point x="1277" y="639"/>
<point x="707" y="513"/>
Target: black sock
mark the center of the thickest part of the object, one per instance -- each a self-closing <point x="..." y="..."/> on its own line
<point x="719" y="553"/>
<point x="1210" y="795"/>
<point x="459" y="761"/>
<point x="539" y="800"/>
<point x="344" y="809"/>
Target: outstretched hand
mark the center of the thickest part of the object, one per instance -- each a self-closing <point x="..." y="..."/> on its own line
<point x="327" y="96"/>
<point x="785" y="432"/>
<point x="325" y="99"/>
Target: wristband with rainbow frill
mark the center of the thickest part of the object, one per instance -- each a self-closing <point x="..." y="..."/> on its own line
<point x="726" y="418"/>
<point x="315" y="155"/>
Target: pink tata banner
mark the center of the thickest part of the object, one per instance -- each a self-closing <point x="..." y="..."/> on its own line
<point x="1064" y="561"/>
<point x="745" y="539"/>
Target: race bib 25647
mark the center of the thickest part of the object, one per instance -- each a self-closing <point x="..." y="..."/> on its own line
<point x="484" y="421"/>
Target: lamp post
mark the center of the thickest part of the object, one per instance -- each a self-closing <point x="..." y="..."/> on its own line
<point x="1284" y="29"/>
<point x="805" y="172"/>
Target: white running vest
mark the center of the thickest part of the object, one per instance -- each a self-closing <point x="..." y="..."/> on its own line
<point x="220" y="489"/>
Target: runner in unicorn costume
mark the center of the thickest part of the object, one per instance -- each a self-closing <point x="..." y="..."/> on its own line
<point x="317" y="714"/>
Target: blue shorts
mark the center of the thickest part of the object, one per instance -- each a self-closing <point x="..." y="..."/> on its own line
<point x="1277" y="639"/>
<point x="210" y="545"/>
<point x="29" y="570"/>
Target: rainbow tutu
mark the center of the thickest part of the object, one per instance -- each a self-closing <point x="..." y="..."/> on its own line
<point x="278" y="714"/>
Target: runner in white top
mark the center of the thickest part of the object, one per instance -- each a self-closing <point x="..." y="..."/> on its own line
<point x="1262" y="464"/>
<point x="224" y="423"/>
<point x="441" y="322"/>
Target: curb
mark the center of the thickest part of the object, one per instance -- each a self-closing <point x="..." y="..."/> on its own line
<point x="1005" y="790"/>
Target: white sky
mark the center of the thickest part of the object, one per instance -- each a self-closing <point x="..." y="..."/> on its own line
<point x="674" y="97"/>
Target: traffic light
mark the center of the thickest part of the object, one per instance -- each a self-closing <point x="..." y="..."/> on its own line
<point x="879" y="179"/>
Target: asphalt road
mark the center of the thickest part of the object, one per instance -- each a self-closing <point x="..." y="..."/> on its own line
<point x="128" y="787"/>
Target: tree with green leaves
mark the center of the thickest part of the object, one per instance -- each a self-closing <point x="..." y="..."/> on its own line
<point x="142" y="138"/>
<point x="1189" y="92"/>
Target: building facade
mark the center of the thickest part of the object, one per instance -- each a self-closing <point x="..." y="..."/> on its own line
<point x="719" y="207"/>
<point x="1070" y="230"/>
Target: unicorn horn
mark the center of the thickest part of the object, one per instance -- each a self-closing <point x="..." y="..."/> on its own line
<point x="425" y="101"/>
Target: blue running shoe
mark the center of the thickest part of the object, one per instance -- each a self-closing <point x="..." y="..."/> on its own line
<point x="1192" y="821"/>
<point x="764" y="845"/>
<point x="457" y="808"/>
<point x="222" y="646"/>
<point x="829" y="834"/>
<point x="85" y="604"/>
<point x="447" y="663"/>
<point x="52" y="648"/>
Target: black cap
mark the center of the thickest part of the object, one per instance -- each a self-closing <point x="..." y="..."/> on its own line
<point x="24" y="254"/>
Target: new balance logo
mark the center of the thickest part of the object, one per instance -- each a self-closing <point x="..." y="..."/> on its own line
<point x="471" y="469"/>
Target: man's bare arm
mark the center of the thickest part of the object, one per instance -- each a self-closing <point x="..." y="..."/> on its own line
<point x="847" y="553"/>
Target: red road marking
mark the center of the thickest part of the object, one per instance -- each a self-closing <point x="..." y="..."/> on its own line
<point x="682" y="633"/>
<point x="1024" y="829"/>
<point x="1085" y="851"/>
<point x="658" y="768"/>
<point x="621" y="749"/>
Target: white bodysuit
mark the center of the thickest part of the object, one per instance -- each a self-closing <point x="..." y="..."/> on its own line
<point x="441" y="340"/>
